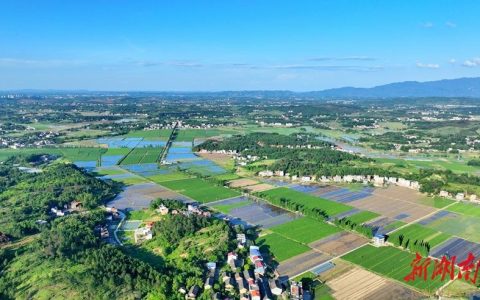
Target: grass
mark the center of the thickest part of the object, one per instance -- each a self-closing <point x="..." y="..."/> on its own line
<point x="419" y="232"/>
<point x="200" y="190"/>
<point x="437" y="202"/>
<point x="468" y="209"/>
<point x="393" y="263"/>
<point x="142" y="156"/>
<point x="362" y="217"/>
<point x="330" y="207"/>
<point x="168" y="177"/>
<point x="143" y="215"/>
<point x="226" y="208"/>
<point x="305" y="230"/>
<point x="281" y="247"/>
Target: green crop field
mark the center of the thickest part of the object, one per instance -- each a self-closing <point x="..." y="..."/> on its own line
<point x="142" y="156"/>
<point x="464" y="226"/>
<point x="110" y="171"/>
<point x="200" y="190"/>
<point x="281" y="247"/>
<point x="168" y="177"/>
<point x="332" y="208"/>
<point x="117" y="151"/>
<point x="305" y="230"/>
<point x="226" y="208"/>
<point x="419" y="232"/>
<point x="393" y="263"/>
<point x="394" y="225"/>
<point x="362" y="217"/>
<point x="437" y="202"/>
<point x="468" y="209"/>
<point x="72" y="154"/>
<point x="187" y="135"/>
<point x="160" y="134"/>
<point x="227" y="176"/>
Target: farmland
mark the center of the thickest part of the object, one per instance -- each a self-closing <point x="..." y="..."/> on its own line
<point x="418" y="232"/>
<point x="330" y="207"/>
<point x="282" y="248"/>
<point x="160" y="134"/>
<point x="391" y="262"/>
<point x="305" y="230"/>
<point x="362" y="217"/>
<point x="200" y="190"/>
<point x="472" y="210"/>
<point x="142" y="156"/>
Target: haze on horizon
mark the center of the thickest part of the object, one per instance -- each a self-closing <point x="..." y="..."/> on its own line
<point x="234" y="45"/>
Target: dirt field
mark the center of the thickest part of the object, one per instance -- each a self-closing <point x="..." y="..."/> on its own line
<point x="139" y="196"/>
<point x="223" y="160"/>
<point x="260" y="187"/>
<point x="361" y="284"/>
<point x="395" y="202"/>
<point x="301" y="263"/>
<point x="241" y="182"/>
<point x="338" y="244"/>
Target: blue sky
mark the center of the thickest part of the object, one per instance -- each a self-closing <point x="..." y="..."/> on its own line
<point x="234" y="45"/>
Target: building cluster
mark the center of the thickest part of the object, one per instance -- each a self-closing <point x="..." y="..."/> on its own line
<point x="249" y="284"/>
<point x="459" y="196"/>
<point x="365" y="179"/>
<point x="36" y="139"/>
<point x="73" y="206"/>
<point x="191" y="209"/>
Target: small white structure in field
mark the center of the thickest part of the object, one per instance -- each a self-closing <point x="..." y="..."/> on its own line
<point x="142" y="234"/>
<point x="379" y="240"/>
<point x="460" y="196"/>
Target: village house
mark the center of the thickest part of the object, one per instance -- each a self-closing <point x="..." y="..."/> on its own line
<point x="242" y="285"/>
<point x="459" y="196"/>
<point x="163" y="210"/>
<point x="76" y="205"/>
<point x="275" y="287"/>
<point x="208" y="283"/>
<point x="142" y="234"/>
<point x="232" y="260"/>
<point x="193" y="292"/>
<point x="296" y="290"/>
<point x="379" y="240"/>
<point x="242" y="240"/>
<point x="257" y="260"/>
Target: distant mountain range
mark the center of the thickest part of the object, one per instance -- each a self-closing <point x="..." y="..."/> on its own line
<point x="461" y="87"/>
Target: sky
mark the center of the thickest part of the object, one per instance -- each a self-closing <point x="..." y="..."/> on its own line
<point x="209" y="45"/>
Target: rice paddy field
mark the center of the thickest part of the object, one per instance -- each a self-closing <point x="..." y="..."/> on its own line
<point x="331" y="207"/>
<point x="142" y="156"/>
<point x="191" y="134"/>
<point x="159" y="134"/>
<point x="468" y="209"/>
<point x="282" y="248"/>
<point x="226" y="208"/>
<point x="363" y="216"/>
<point x="305" y="230"/>
<point x="119" y="142"/>
<point x="200" y="190"/>
<point x="464" y="226"/>
<point x="69" y="153"/>
<point x="393" y="263"/>
<point x="419" y="232"/>
<point x="160" y="178"/>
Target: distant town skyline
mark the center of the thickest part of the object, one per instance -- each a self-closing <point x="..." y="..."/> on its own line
<point x="234" y="45"/>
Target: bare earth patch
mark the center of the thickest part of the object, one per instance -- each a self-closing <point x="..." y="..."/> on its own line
<point x="302" y="263"/>
<point x="339" y="243"/>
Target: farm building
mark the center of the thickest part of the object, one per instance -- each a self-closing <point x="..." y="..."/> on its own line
<point x="142" y="234"/>
<point x="379" y="240"/>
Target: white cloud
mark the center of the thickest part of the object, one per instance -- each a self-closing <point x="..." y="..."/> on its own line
<point x="427" y="66"/>
<point x="427" y="25"/>
<point x="452" y="60"/>
<point x="450" y="24"/>
<point x="343" y="58"/>
<point x="474" y="62"/>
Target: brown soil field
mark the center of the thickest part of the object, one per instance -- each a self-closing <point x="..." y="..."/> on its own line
<point x="302" y="263"/>
<point x="339" y="244"/>
<point x="260" y="187"/>
<point x="394" y="202"/>
<point x="361" y="284"/>
<point x="241" y="182"/>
